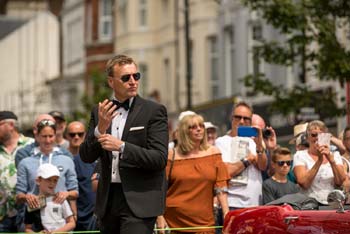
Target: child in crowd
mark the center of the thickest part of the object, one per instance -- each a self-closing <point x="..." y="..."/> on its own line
<point x="278" y="185"/>
<point x="49" y="216"/>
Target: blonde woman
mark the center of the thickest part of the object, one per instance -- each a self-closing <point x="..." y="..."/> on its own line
<point x="196" y="174"/>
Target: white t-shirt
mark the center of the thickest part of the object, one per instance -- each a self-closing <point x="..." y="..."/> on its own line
<point x="53" y="215"/>
<point x="323" y="182"/>
<point x="245" y="194"/>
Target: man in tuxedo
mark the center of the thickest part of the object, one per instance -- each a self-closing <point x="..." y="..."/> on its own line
<point x="129" y="135"/>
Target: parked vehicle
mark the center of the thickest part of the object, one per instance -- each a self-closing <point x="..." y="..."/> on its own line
<point x="278" y="219"/>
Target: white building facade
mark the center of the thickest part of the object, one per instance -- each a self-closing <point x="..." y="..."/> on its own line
<point x="29" y="60"/>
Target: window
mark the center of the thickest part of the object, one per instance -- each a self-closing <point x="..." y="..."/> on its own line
<point x="123" y="15"/>
<point x="88" y="22"/>
<point x="74" y="37"/>
<point x="165" y="9"/>
<point x="143" y="13"/>
<point x="144" y="79"/>
<point x="105" y="26"/>
<point x="257" y="32"/>
<point x="256" y="35"/>
<point x="214" y="66"/>
<point x="231" y="83"/>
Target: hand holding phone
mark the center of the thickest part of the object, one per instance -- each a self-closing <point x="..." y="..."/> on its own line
<point x="247" y="131"/>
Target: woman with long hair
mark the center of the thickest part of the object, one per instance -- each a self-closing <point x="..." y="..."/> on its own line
<point x="196" y="173"/>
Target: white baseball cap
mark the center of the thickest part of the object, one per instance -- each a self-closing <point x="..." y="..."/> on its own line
<point x="209" y="125"/>
<point x="47" y="170"/>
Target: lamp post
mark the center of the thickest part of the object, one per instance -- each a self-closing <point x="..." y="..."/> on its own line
<point x="188" y="56"/>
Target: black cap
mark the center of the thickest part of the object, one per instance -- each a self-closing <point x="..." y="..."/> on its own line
<point x="57" y="114"/>
<point x="7" y="115"/>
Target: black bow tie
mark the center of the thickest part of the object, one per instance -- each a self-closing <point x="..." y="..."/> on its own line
<point x="124" y="104"/>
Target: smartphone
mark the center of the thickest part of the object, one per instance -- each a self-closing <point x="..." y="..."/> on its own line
<point x="246" y="131"/>
<point x="324" y="138"/>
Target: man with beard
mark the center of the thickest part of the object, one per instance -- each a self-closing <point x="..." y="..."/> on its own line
<point x="10" y="141"/>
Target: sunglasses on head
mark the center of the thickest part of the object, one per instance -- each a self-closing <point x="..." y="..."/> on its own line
<point x="46" y="122"/>
<point x="281" y="163"/>
<point x="73" y="134"/>
<point x="126" y="77"/>
<point x="239" y="117"/>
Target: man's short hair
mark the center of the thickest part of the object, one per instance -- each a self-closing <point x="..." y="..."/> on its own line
<point x="279" y="151"/>
<point x="118" y="59"/>
<point x="241" y="103"/>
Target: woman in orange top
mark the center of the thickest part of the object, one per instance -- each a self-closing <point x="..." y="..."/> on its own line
<point x="197" y="174"/>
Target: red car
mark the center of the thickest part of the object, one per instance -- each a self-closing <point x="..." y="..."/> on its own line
<point x="275" y="219"/>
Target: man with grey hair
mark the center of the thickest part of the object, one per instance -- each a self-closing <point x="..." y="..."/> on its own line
<point x="10" y="141"/>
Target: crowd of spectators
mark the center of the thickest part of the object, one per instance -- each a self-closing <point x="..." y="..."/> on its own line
<point x="122" y="175"/>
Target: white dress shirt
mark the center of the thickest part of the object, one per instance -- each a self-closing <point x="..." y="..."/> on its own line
<point x="117" y="128"/>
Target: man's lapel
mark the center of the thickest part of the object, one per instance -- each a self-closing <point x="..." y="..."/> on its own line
<point x="133" y="112"/>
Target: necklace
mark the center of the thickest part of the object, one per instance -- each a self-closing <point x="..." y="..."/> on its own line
<point x="279" y="181"/>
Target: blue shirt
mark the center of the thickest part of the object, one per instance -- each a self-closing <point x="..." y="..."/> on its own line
<point x="27" y="171"/>
<point x="86" y="199"/>
<point x="26" y="151"/>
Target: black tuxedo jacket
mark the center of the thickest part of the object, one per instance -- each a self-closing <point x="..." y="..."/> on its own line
<point x="142" y="164"/>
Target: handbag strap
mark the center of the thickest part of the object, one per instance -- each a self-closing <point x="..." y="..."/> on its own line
<point x="171" y="164"/>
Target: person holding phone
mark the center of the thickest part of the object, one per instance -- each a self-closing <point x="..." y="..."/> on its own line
<point x="245" y="158"/>
<point x="318" y="170"/>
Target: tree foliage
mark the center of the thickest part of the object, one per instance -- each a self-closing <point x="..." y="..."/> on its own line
<point x="100" y="91"/>
<point x="315" y="38"/>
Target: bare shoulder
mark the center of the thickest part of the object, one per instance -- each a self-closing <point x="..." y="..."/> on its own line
<point x="214" y="150"/>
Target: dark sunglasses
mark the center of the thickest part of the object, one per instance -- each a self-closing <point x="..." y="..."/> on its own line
<point x="239" y="117"/>
<point x="281" y="163"/>
<point x="313" y="134"/>
<point x="126" y="77"/>
<point x="195" y="126"/>
<point x="73" y="134"/>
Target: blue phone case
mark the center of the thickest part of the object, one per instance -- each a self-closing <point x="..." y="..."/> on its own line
<point x="245" y="131"/>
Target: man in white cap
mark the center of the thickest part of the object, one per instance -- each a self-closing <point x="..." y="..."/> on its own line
<point x="211" y="132"/>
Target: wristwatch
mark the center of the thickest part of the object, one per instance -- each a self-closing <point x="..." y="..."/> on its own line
<point x="259" y="152"/>
<point x="245" y="162"/>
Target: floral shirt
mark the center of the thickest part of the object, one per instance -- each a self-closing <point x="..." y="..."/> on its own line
<point x="8" y="178"/>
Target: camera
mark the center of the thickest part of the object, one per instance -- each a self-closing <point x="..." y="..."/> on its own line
<point x="266" y="133"/>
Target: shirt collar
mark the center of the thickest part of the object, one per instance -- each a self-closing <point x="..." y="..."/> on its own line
<point x="130" y="100"/>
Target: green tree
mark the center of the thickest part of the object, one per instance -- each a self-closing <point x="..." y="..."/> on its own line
<point x="304" y="22"/>
<point x="100" y="91"/>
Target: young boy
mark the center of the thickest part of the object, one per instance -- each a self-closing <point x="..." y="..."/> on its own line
<point x="278" y="185"/>
<point x="50" y="216"/>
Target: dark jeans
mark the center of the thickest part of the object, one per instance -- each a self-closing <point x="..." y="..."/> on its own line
<point x="8" y="224"/>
